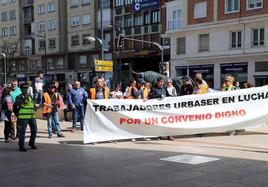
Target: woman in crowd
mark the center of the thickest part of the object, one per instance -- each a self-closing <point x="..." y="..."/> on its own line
<point x="131" y="90"/>
<point x="228" y="84"/>
<point x="187" y="88"/>
<point x="7" y="115"/>
<point x="171" y="90"/>
<point x="117" y="93"/>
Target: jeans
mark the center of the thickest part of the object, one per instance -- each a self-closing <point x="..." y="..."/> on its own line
<point x="78" y="110"/>
<point x="53" y="119"/>
<point x="22" y="126"/>
<point x="38" y="96"/>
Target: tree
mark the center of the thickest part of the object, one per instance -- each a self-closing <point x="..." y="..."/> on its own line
<point x="10" y="48"/>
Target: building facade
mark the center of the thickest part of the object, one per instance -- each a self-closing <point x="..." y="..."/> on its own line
<point x="218" y="38"/>
<point x="135" y="20"/>
<point x="51" y="36"/>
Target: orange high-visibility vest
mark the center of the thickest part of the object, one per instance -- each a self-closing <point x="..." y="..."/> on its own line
<point x="46" y="109"/>
<point x="93" y="93"/>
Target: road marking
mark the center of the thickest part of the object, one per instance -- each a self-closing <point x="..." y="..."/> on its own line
<point x="190" y="159"/>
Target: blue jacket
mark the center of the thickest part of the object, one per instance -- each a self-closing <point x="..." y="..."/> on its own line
<point x="77" y="97"/>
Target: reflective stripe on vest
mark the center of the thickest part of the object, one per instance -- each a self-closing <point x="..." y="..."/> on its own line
<point x="46" y="109"/>
<point x="27" y="111"/>
<point x="93" y="93"/>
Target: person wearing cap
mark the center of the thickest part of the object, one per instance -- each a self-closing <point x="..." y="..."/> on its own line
<point x="24" y="108"/>
<point x="140" y="93"/>
<point x="50" y="111"/>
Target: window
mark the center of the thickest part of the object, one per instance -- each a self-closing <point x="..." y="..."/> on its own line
<point x="200" y="10"/>
<point x="261" y="66"/>
<point x="51" y="7"/>
<point x="146" y="18"/>
<point x="3" y="2"/>
<point x="13" y="31"/>
<point x="60" y="63"/>
<point x="21" y="66"/>
<point x="128" y="21"/>
<point x="50" y="64"/>
<point x="12" y="14"/>
<point x="254" y="4"/>
<point x="74" y="21"/>
<point x="119" y="22"/>
<point x="258" y="37"/>
<point x="42" y="26"/>
<point x="155" y="16"/>
<point x="51" y="24"/>
<point x="236" y="38"/>
<point x="175" y="20"/>
<point x="52" y="43"/>
<point x="74" y="3"/>
<point x="4" y="16"/>
<point x="75" y="40"/>
<point x="12" y="1"/>
<point x="4" y="31"/>
<point x="119" y="3"/>
<point x="138" y="20"/>
<point x="86" y="41"/>
<point x="128" y="2"/>
<point x="181" y="46"/>
<point x="41" y="9"/>
<point x="85" y="19"/>
<point x="204" y="42"/>
<point x="42" y="44"/>
<point x="85" y="2"/>
<point x="232" y="6"/>
<point x="83" y="60"/>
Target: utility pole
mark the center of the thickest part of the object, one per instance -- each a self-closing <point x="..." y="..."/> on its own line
<point x="101" y="17"/>
<point x="5" y="66"/>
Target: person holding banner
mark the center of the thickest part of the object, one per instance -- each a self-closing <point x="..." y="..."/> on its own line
<point x="228" y="84"/>
<point x="100" y="91"/>
<point x="159" y="91"/>
<point x="131" y="91"/>
<point x="200" y="87"/>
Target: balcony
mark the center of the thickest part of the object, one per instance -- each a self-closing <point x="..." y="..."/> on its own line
<point x="27" y="3"/>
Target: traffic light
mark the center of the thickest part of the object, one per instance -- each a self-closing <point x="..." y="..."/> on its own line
<point x="120" y="42"/>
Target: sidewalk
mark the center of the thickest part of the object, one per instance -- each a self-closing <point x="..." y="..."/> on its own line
<point x="241" y="161"/>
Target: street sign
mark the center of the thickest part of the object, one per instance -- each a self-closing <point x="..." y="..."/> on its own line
<point x="104" y="63"/>
<point x="104" y="68"/>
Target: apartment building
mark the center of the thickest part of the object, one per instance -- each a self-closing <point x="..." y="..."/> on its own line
<point x="218" y="38"/>
<point x="141" y="20"/>
<point x="51" y="36"/>
<point x="10" y="35"/>
<point x="83" y="21"/>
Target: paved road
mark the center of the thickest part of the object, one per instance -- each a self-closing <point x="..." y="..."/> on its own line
<point x="242" y="161"/>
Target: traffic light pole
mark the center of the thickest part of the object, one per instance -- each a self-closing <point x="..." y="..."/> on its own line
<point x="156" y="44"/>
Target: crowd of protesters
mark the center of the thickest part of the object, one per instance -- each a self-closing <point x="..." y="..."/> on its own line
<point x="19" y="103"/>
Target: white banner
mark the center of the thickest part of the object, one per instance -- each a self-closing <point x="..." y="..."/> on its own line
<point x="117" y="119"/>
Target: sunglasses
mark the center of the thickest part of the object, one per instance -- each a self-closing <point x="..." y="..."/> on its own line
<point x="226" y="81"/>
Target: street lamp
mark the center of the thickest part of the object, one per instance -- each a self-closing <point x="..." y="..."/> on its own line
<point x="5" y="65"/>
<point x="94" y="39"/>
<point x="45" y="57"/>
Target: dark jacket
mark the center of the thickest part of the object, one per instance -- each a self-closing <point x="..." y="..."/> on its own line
<point x="157" y="92"/>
